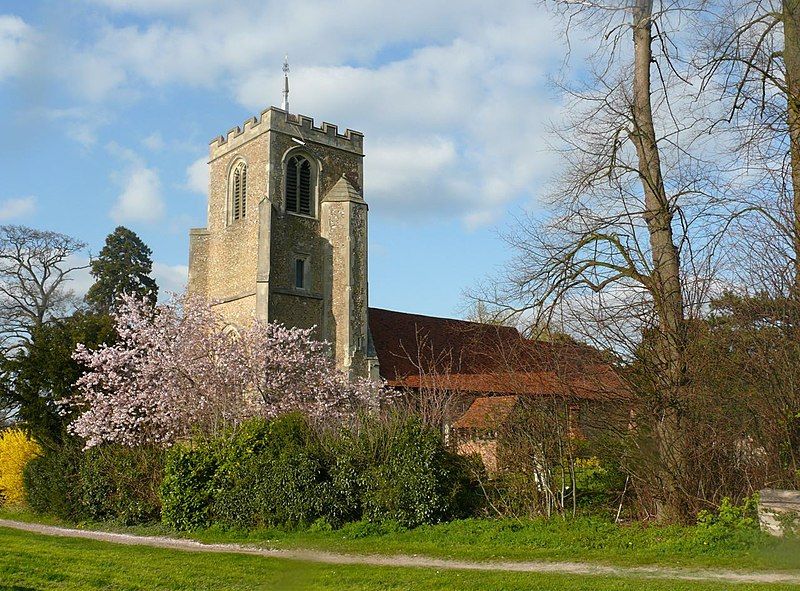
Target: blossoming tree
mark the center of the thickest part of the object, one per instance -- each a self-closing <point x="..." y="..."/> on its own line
<point x="176" y="370"/>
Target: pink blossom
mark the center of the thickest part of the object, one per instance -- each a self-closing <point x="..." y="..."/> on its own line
<point x="175" y="371"/>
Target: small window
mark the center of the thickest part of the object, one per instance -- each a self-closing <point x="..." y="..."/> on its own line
<point x="300" y="273"/>
<point x="239" y="192"/>
<point x="299" y="196"/>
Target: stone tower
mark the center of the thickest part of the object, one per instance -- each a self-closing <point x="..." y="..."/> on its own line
<point x="286" y="239"/>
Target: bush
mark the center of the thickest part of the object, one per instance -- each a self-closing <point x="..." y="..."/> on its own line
<point x="187" y="489"/>
<point x="16" y="450"/>
<point x="267" y="473"/>
<point x="103" y="483"/>
<point x="400" y="470"/>
<point x="52" y="483"/>
<point x="277" y="476"/>
<point x="730" y="516"/>
<point x="122" y="483"/>
<point x="282" y="473"/>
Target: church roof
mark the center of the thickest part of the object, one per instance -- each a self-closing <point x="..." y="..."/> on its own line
<point x="487" y="412"/>
<point x="416" y="351"/>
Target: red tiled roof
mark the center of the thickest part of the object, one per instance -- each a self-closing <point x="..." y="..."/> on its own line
<point x="486" y="412"/>
<point x="416" y="351"/>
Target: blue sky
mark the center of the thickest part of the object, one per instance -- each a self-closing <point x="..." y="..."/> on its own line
<point x="107" y="108"/>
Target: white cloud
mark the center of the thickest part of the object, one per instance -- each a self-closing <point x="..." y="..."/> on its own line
<point x="154" y="142"/>
<point x="454" y="119"/>
<point x="141" y="199"/>
<point x="14" y="208"/>
<point x="197" y="176"/>
<point x="16" y="45"/>
<point x="170" y="278"/>
<point x="152" y="6"/>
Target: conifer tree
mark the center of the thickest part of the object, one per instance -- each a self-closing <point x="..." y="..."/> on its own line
<point x="123" y="267"/>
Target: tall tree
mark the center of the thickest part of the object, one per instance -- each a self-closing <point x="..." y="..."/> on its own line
<point x="35" y="269"/>
<point x="122" y="268"/>
<point x="629" y="245"/>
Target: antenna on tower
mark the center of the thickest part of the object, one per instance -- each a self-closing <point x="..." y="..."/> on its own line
<point x="285" y="105"/>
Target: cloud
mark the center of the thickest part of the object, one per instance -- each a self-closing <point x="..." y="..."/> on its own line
<point x="16" y="45"/>
<point x="154" y="142"/>
<point x="197" y="176"/>
<point x="170" y="278"/>
<point x="11" y="209"/>
<point x="454" y="103"/>
<point x="140" y="200"/>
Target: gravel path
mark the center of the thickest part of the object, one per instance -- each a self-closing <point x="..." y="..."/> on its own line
<point x="414" y="561"/>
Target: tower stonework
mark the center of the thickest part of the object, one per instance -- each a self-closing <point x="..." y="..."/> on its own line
<point x="287" y="241"/>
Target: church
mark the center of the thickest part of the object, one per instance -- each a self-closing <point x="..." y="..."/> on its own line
<point x="286" y="241"/>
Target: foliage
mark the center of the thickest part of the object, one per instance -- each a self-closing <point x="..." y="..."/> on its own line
<point x="123" y="267"/>
<point x="176" y="370"/>
<point x="412" y="478"/>
<point x="728" y="515"/>
<point x="43" y="372"/>
<point x="121" y="483"/>
<point x="267" y="473"/>
<point x="187" y="492"/>
<point x="16" y="450"/>
<point x="52" y="482"/>
<point x="108" y="482"/>
<point x="282" y="473"/>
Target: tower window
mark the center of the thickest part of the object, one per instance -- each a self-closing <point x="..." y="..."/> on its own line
<point x="300" y="273"/>
<point x="239" y="191"/>
<point x="299" y="198"/>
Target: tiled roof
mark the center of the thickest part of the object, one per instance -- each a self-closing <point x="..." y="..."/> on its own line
<point x="486" y="412"/>
<point x="418" y="351"/>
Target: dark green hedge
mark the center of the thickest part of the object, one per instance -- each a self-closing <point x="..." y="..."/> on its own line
<point x="282" y="473"/>
<point x="105" y="483"/>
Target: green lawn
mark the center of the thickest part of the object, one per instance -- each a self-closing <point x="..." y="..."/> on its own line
<point x="34" y="562"/>
<point x="556" y="539"/>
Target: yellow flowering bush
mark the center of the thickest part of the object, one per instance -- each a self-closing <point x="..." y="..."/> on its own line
<point x="16" y="450"/>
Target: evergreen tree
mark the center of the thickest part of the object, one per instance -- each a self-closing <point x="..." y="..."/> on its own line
<point x="44" y="372"/>
<point x="123" y="266"/>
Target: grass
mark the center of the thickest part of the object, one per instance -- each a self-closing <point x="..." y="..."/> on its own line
<point x="590" y="540"/>
<point x="34" y="562"/>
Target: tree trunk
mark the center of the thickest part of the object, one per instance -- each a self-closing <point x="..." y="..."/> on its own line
<point x="791" y="58"/>
<point x="665" y="277"/>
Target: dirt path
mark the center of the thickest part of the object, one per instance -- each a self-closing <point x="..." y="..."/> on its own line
<point x="413" y="561"/>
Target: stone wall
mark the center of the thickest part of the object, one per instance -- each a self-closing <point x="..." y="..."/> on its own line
<point x="779" y="511"/>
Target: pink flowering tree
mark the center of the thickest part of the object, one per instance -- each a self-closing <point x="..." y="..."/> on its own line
<point x="175" y="370"/>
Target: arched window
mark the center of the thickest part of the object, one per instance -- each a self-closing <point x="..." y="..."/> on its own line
<point x="299" y="194"/>
<point x="239" y="191"/>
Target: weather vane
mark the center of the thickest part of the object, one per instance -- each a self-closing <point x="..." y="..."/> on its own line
<point x="285" y="105"/>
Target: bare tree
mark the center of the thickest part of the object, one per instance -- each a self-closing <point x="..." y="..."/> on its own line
<point x="750" y="55"/>
<point x="636" y="216"/>
<point x="35" y="269"/>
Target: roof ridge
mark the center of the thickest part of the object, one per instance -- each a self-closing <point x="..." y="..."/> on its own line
<point x="461" y="320"/>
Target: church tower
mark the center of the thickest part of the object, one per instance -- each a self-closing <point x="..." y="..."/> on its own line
<point x="286" y="238"/>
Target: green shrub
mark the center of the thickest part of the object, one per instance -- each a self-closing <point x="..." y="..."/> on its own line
<point x="122" y="483"/>
<point x="276" y="474"/>
<point x="104" y="483"/>
<point x="730" y="516"/>
<point x="187" y="489"/>
<point x="52" y="483"/>
<point x="400" y="470"/>
<point x="281" y="473"/>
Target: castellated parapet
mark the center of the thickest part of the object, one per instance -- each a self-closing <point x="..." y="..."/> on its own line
<point x="298" y="267"/>
<point x="300" y="126"/>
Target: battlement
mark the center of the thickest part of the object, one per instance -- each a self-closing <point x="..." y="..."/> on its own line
<point x="299" y="126"/>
